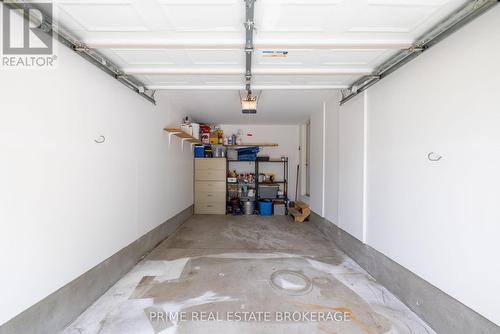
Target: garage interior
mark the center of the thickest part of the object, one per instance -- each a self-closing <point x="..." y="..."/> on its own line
<point x="258" y="166"/>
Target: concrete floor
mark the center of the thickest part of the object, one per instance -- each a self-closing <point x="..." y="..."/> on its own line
<point x="274" y="275"/>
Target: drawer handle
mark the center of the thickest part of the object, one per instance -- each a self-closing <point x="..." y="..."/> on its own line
<point x="209" y="195"/>
<point x="209" y="206"/>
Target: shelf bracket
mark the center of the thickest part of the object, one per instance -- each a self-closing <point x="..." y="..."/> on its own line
<point x="182" y="142"/>
<point x="170" y="134"/>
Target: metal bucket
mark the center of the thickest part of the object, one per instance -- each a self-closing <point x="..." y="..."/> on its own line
<point x="248" y="207"/>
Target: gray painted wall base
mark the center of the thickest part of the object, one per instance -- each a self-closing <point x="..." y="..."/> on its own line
<point x="56" y="311"/>
<point x="442" y="312"/>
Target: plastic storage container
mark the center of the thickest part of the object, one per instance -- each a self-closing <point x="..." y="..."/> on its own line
<point x="268" y="191"/>
<point x="199" y="152"/>
<point x="219" y="151"/>
<point x="279" y="208"/>
<point x="232" y="154"/>
<point x="266" y="208"/>
<point x="196" y="130"/>
<point x="248" y="153"/>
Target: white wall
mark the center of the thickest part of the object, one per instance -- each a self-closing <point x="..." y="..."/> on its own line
<point x="438" y="219"/>
<point x="338" y="170"/>
<point x="287" y="138"/>
<point x="351" y="167"/>
<point x="332" y="158"/>
<point x="67" y="203"/>
<point x="317" y="168"/>
<point x="303" y="196"/>
<point x="441" y="220"/>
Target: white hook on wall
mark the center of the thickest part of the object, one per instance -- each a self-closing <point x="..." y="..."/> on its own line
<point x="434" y="157"/>
<point x="101" y="139"/>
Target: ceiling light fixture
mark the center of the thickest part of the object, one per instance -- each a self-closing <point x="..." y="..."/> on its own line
<point x="249" y="104"/>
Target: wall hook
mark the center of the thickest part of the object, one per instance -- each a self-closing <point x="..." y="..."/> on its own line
<point x="434" y="157"/>
<point x="101" y="139"/>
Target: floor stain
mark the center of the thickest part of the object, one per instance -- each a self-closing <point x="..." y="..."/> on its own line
<point x="225" y="264"/>
<point x="349" y="313"/>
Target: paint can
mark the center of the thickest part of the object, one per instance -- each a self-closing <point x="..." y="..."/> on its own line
<point x="248" y="207"/>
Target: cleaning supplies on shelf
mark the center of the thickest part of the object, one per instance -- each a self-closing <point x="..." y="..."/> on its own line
<point x="219" y="151"/>
<point x="220" y="135"/>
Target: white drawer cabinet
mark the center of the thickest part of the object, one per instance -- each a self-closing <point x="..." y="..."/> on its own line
<point x="210" y="186"/>
<point x="209" y="208"/>
<point x="210" y="175"/>
<point x="210" y="164"/>
<point x="211" y="196"/>
<point x="206" y="186"/>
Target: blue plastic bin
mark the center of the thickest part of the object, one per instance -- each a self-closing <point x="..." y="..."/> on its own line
<point x="266" y="208"/>
<point x="248" y="153"/>
<point x="199" y="151"/>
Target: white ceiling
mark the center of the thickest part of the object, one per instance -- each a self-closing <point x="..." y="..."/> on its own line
<point x="198" y="44"/>
<point x="223" y="106"/>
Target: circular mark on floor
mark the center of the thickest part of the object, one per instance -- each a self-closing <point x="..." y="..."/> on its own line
<point x="291" y="282"/>
<point x="322" y="281"/>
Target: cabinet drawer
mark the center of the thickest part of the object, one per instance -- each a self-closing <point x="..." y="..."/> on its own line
<point x="210" y="196"/>
<point x="210" y="164"/>
<point x="210" y="186"/>
<point x="210" y="175"/>
<point x="210" y="208"/>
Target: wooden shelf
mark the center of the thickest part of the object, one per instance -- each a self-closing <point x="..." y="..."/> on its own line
<point x="273" y="183"/>
<point x="181" y="134"/>
<point x="254" y="144"/>
<point x="275" y="160"/>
